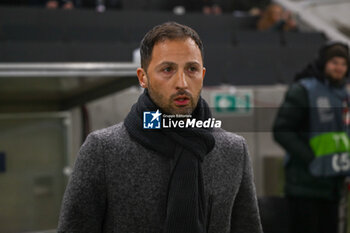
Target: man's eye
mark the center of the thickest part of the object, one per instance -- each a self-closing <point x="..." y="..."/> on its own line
<point x="167" y="69"/>
<point x="192" y="69"/>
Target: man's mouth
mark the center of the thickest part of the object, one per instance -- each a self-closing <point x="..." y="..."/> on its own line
<point x="338" y="74"/>
<point x="181" y="100"/>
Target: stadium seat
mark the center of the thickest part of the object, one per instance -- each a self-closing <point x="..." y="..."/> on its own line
<point x="257" y="39"/>
<point x="297" y="39"/>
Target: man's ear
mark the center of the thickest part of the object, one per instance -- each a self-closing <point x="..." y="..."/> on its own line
<point x="204" y="70"/>
<point x="141" y="75"/>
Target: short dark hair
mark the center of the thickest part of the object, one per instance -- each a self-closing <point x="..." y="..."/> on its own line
<point x="168" y="30"/>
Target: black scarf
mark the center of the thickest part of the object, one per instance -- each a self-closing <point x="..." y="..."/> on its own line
<point x="186" y="208"/>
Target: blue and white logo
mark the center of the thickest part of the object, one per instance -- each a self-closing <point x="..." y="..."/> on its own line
<point x="151" y="120"/>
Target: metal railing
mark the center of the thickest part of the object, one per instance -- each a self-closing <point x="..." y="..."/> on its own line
<point x="68" y="69"/>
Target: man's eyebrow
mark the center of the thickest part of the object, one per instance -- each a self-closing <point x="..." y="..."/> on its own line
<point x="166" y="63"/>
<point x="169" y="63"/>
<point x="193" y="63"/>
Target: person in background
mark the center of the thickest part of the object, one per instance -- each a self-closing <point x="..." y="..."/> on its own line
<point x="64" y="4"/>
<point x="212" y="7"/>
<point x="207" y="7"/>
<point x="312" y="125"/>
<point x="248" y="7"/>
<point x="275" y="18"/>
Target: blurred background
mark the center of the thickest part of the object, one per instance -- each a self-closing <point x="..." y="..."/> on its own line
<point x="69" y="67"/>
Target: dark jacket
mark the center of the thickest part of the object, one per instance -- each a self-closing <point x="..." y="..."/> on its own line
<point x="290" y="130"/>
<point x="120" y="186"/>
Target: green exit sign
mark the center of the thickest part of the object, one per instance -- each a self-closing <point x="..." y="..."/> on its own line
<point x="239" y="102"/>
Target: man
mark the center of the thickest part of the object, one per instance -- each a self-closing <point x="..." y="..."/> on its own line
<point x="54" y="4"/>
<point x="183" y="180"/>
<point x="312" y="125"/>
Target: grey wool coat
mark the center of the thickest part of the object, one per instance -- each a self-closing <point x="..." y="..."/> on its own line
<point x="119" y="186"/>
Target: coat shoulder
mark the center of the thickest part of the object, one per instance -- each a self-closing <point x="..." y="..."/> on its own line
<point x="229" y="140"/>
<point x="113" y="130"/>
<point x="230" y="146"/>
<point x="111" y="134"/>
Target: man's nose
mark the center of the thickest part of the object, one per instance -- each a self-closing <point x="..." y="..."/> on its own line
<point x="181" y="81"/>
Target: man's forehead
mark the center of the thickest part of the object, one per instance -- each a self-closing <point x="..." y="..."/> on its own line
<point x="165" y="49"/>
<point x="339" y="59"/>
<point x="186" y="42"/>
<point x="178" y="39"/>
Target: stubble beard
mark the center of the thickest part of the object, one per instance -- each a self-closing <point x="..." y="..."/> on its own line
<point x="334" y="78"/>
<point x="168" y="107"/>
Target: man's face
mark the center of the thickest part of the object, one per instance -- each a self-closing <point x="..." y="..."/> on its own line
<point x="276" y="13"/>
<point x="336" y="68"/>
<point x="174" y="76"/>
